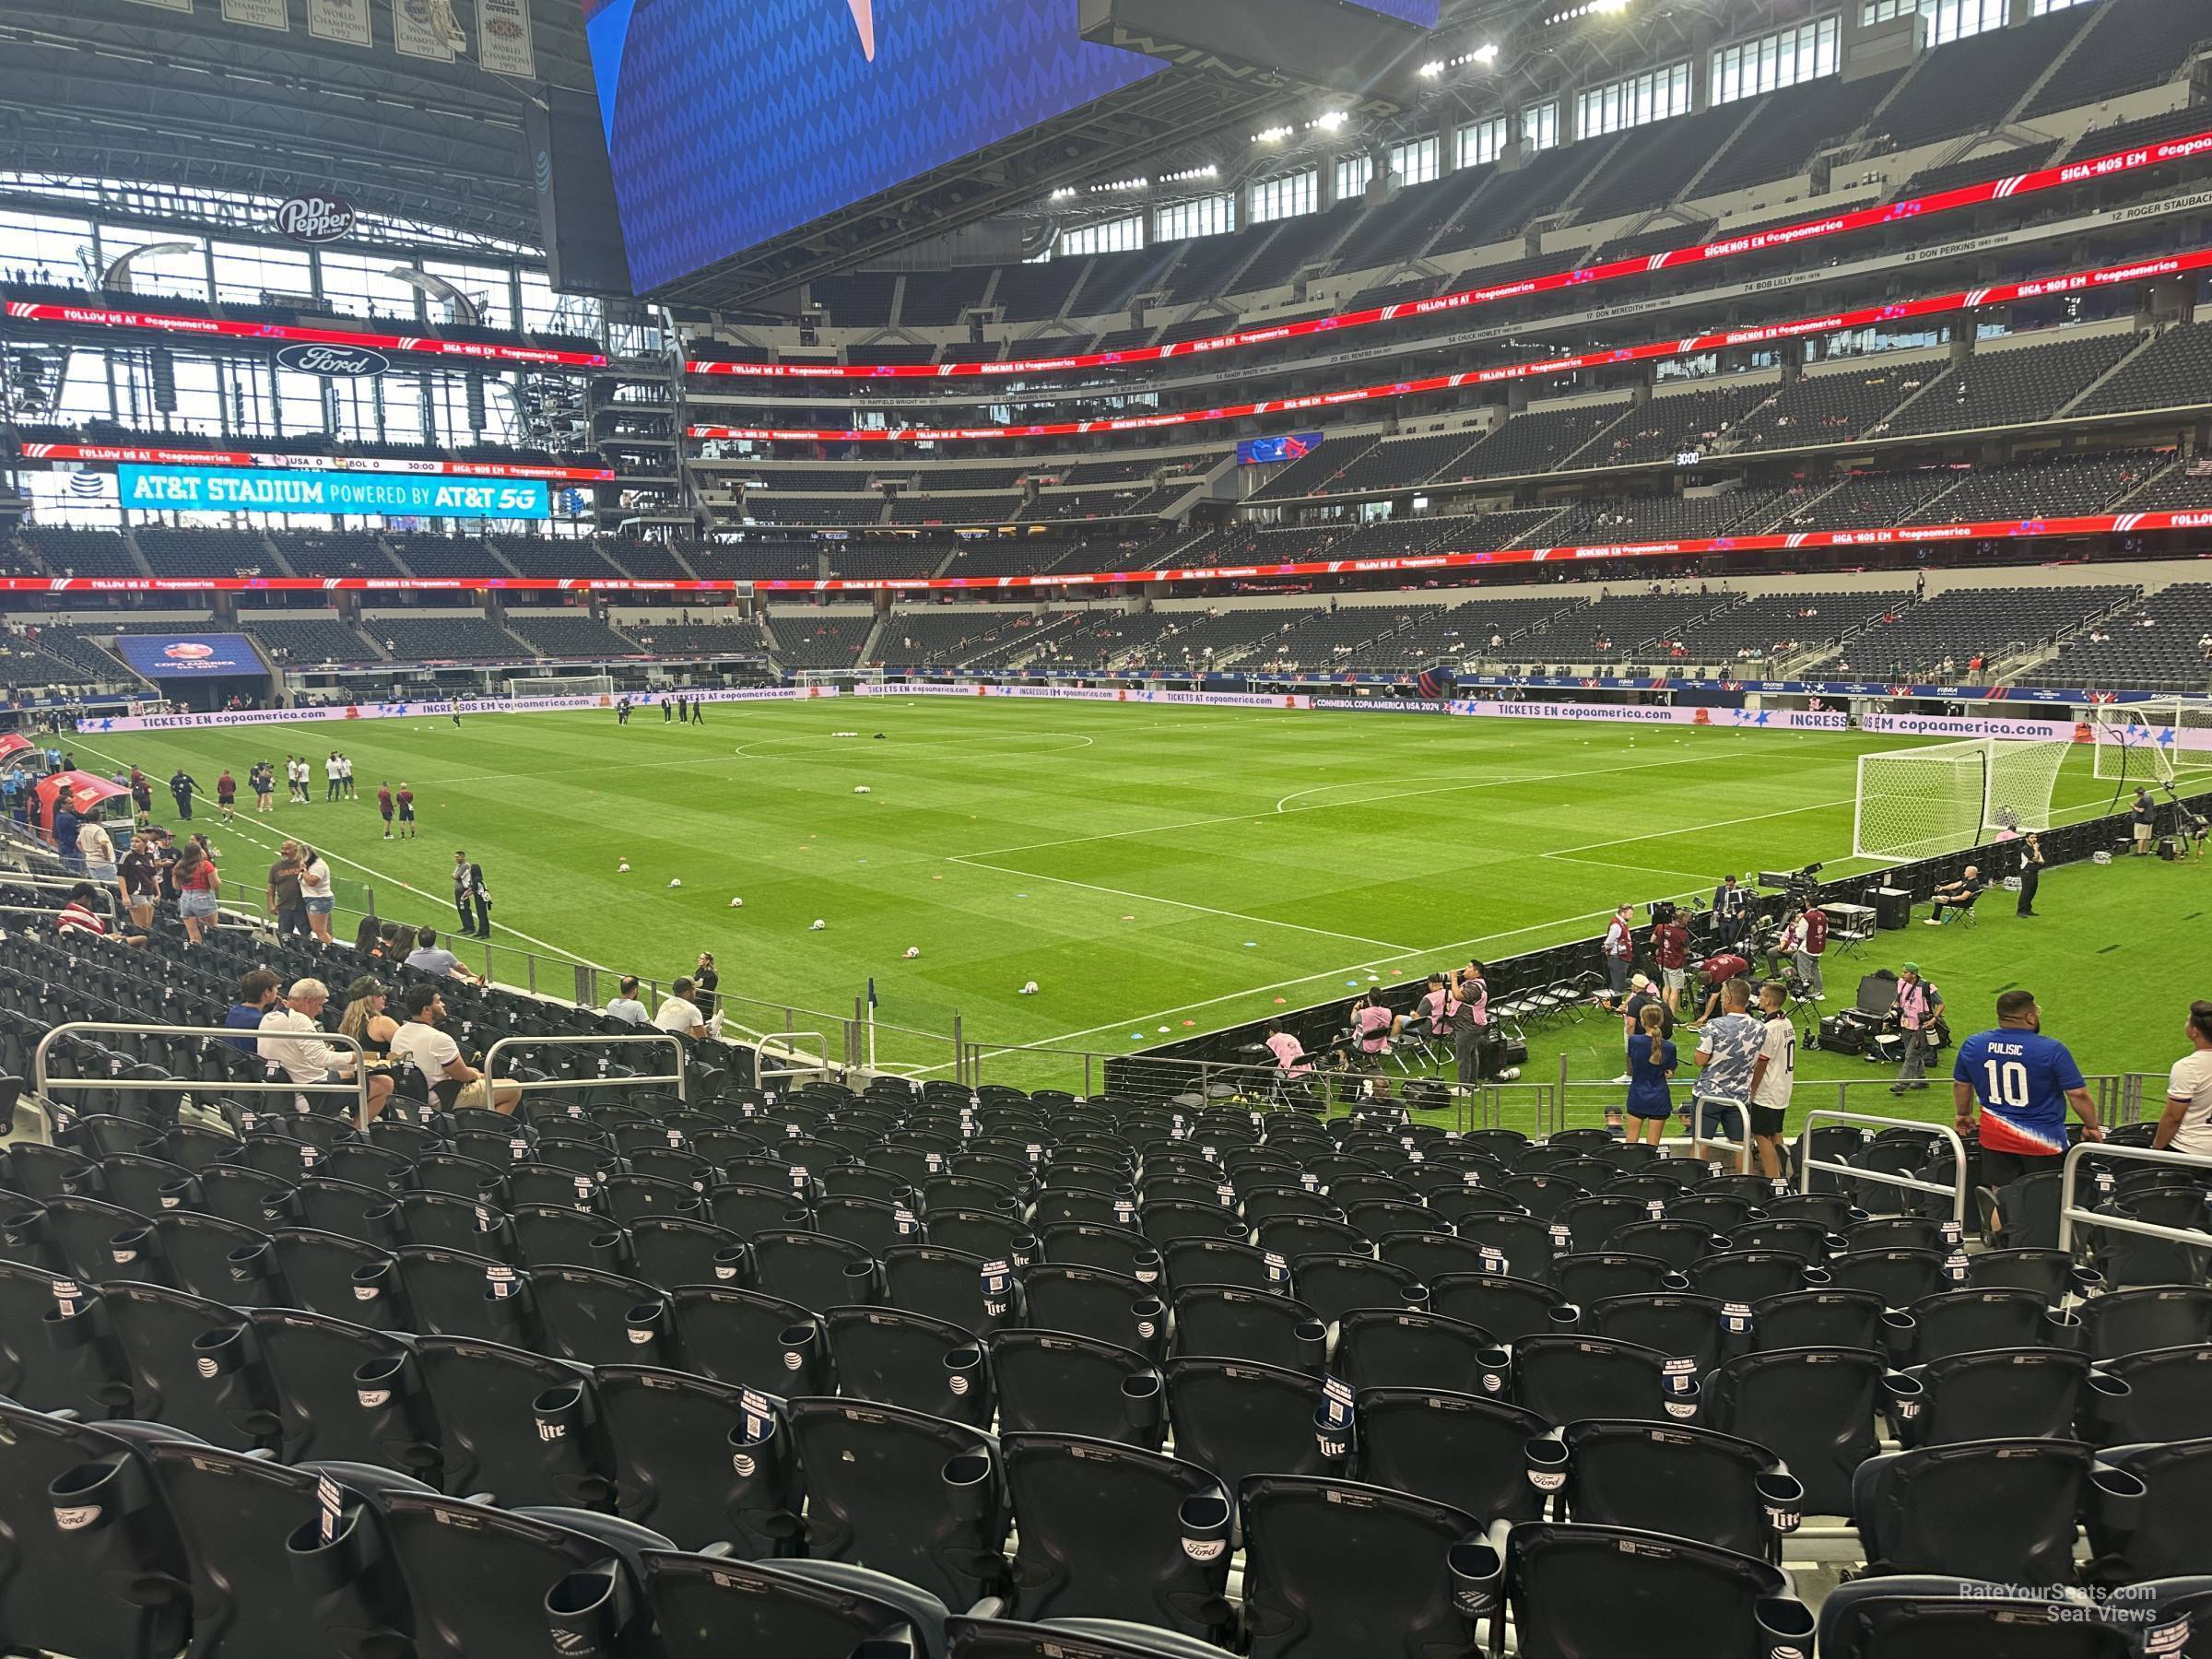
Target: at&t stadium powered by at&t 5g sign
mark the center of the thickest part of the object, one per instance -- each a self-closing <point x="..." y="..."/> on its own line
<point x="391" y="495"/>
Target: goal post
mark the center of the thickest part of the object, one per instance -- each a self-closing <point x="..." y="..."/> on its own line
<point x="1943" y="797"/>
<point x="561" y="685"/>
<point x="2154" y="742"/>
<point x="1917" y="802"/>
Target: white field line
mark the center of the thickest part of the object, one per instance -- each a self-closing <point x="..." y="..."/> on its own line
<point x="1238" y="818"/>
<point x="1208" y="910"/>
<point x="1140" y="1020"/>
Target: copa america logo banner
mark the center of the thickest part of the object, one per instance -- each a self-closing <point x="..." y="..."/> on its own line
<point x="334" y="362"/>
<point x="313" y="218"/>
<point x="188" y="656"/>
<point x="417" y="710"/>
<point x="1129" y="694"/>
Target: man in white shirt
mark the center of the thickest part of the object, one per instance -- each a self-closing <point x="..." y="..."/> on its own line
<point x="436" y="1058"/>
<point x="626" y="1006"/>
<point x="1772" y="1075"/>
<point x="2187" y="1125"/>
<point x="680" y="1014"/>
<point x="97" y="848"/>
<point x="291" y="1041"/>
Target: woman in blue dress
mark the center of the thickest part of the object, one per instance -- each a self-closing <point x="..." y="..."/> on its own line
<point x="1651" y="1063"/>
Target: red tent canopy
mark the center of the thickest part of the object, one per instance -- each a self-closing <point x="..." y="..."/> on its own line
<point x="84" y="792"/>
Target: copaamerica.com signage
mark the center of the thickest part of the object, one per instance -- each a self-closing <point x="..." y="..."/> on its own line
<point x="269" y="489"/>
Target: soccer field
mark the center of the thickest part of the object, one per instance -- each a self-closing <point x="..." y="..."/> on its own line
<point x="1158" y="870"/>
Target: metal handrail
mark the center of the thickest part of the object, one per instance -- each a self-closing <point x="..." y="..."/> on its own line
<point x="62" y="884"/>
<point x="1956" y="1190"/>
<point x="40" y="1083"/>
<point x="769" y="1040"/>
<point x="2069" y="1213"/>
<point x="670" y="1038"/>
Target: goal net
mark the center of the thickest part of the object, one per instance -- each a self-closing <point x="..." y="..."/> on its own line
<point x="1918" y="803"/>
<point x="2154" y="742"/>
<point x="569" y="684"/>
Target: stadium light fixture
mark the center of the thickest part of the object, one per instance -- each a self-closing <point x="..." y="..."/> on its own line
<point x="1432" y="69"/>
<point x="1328" y="121"/>
<point x="1274" y="134"/>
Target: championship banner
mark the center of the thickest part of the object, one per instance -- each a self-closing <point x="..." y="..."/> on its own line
<point x="174" y="6"/>
<point x="259" y="14"/>
<point x="344" y="22"/>
<point x="503" y="39"/>
<point x="417" y="32"/>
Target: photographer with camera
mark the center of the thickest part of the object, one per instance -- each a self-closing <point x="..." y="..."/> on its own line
<point x="1919" y="1007"/>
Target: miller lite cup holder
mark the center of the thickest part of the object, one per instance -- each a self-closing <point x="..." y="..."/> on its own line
<point x="1902" y="1397"/>
<point x="1782" y="1496"/>
<point x="1335" y="1439"/>
<point x="2087" y="1282"/>
<point x="997" y="1278"/>
<point x="1023" y="1249"/>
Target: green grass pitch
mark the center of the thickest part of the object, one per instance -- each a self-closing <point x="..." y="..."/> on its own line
<point x="1158" y="870"/>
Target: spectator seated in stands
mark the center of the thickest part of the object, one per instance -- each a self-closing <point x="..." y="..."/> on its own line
<point x="79" y="916"/>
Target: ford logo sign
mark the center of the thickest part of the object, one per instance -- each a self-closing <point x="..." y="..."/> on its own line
<point x="315" y="219"/>
<point x="345" y="362"/>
